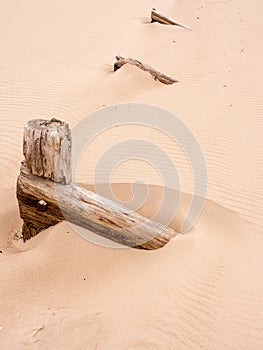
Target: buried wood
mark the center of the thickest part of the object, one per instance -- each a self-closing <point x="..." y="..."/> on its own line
<point x="86" y="209"/>
<point x="47" y="149"/>
<point x="160" y="18"/>
<point x="165" y="79"/>
<point x="44" y="202"/>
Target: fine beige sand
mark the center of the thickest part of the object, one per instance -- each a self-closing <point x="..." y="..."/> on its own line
<point x="203" y="290"/>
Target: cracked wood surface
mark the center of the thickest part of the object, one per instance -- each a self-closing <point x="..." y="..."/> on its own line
<point x="86" y="209"/>
<point x="46" y="195"/>
<point x="47" y="149"/>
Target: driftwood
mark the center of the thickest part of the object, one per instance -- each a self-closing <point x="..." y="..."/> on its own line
<point x="121" y="61"/>
<point x="160" y="18"/>
<point x="47" y="149"/>
<point x="44" y="202"/>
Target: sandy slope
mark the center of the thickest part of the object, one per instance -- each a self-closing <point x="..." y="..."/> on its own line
<point x="202" y="291"/>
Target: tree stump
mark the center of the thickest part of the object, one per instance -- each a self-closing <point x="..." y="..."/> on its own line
<point x="47" y="149"/>
<point x="47" y="152"/>
<point x="46" y="196"/>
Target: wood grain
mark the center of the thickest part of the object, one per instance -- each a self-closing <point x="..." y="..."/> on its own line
<point x="165" y="79"/>
<point x="160" y="18"/>
<point x="46" y="196"/>
<point x="44" y="203"/>
<point x="47" y="149"/>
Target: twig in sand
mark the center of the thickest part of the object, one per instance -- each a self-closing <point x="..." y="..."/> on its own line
<point x="165" y="79"/>
<point x="160" y="18"/>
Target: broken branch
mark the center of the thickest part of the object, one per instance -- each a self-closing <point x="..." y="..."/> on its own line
<point x="165" y="79"/>
<point x="160" y="18"/>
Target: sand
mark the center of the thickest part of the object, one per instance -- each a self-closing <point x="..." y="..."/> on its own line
<point x="204" y="290"/>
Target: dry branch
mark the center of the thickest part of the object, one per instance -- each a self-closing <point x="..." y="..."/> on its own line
<point x="44" y="202"/>
<point x="160" y="18"/>
<point x="121" y="61"/>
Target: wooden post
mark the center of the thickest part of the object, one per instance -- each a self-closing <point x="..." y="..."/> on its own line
<point x="47" y="149"/>
<point x="47" y="152"/>
<point x="160" y="18"/>
<point x="46" y="196"/>
<point x="165" y="79"/>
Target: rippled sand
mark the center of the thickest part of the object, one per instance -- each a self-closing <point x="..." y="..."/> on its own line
<point x="204" y="289"/>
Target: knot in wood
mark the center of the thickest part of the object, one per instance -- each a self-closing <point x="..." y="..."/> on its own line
<point x="42" y="205"/>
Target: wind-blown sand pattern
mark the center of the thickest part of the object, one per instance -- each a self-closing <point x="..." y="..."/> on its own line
<point x="203" y="290"/>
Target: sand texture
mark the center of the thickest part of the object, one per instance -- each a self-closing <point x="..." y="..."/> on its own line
<point x="203" y="290"/>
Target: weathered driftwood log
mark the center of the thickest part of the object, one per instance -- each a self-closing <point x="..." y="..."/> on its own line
<point x="160" y="18"/>
<point x="44" y="203"/>
<point x="121" y="61"/>
<point x="47" y="149"/>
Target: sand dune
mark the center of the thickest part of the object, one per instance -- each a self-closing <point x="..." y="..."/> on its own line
<point x="203" y="290"/>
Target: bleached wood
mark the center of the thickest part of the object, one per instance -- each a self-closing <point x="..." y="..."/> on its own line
<point x="44" y="203"/>
<point x="46" y="196"/>
<point x="145" y="67"/>
<point x="47" y="149"/>
<point x="160" y="18"/>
